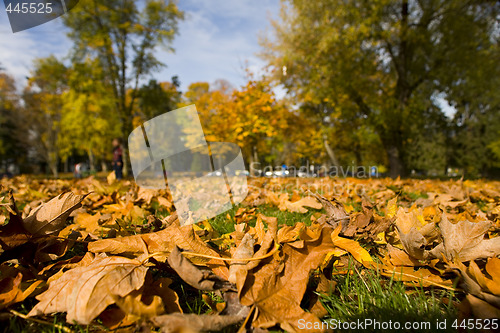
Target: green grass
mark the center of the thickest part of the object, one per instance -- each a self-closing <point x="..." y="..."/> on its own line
<point x="222" y="225"/>
<point x="368" y="295"/>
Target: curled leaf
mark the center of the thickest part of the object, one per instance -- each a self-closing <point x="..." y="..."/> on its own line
<point x="50" y="217"/>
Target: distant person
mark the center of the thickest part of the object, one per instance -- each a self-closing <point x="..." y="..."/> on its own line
<point x="80" y="169"/>
<point x="117" y="159"/>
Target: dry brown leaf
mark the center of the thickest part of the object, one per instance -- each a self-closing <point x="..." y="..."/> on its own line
<point x="13" y="234"/>
<point x="353" y="247"/>
<point x="325" y="286"/>
<point x="88" y="222"/>
<point x="298" y="206"/>
<point x="192" y="275"/>
<point x="413" y="232"/>
<point x="84" y="292"/>
<point x="335" y="211"/>
<point x="169" y="297"/>
<point x="11" y="292"/>
<point x="164" y="202"/>
<point x="51" y="216"/>
<point x="416" y="277"/>
<point x="276" y="286"/>
<point x="162" y="242"/>
<point x="188" y="323"/>
<point x="465" y="241"/>
<point x="471" y="285"/>
<point x="146" y="195"/>
<point x="399" y="257"/>
<point x="289" y="233"/>
<point x="132" y="304"/>
<point x="481" y="309"/>
<point x="359" y="221"/>
<point x="243" y="251"/>
<point x="493" y="269"/>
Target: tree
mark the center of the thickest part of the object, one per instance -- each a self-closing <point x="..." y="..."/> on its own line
<point x="476" y="123"/>
<point x="12" y="149"/>
<point x="156" y="98"/>
<point x="88" y="123"/>
<point x="250" y="117"/>
<point x="378" y="60"/>
<point x="43" y="107"/>
<point x="122" y="36"/>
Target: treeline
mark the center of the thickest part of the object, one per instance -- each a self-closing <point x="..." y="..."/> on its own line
<point x="366" y="82"/>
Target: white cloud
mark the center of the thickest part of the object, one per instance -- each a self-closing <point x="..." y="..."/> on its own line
<point x="218" y="39"/>
<point x="17" y="50"/>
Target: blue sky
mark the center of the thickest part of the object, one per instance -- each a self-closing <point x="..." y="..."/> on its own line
<point x="217" y="39"/>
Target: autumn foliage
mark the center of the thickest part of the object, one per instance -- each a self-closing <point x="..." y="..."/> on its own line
<point x="112" y="254"/>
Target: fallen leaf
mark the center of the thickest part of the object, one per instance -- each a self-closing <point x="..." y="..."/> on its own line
<point x="178" y="322"/>
<point x="298" y="206"/>
<point x="353" y="247"/>
<point x="11" y="292"/>
<point x="335" y="212"/>
<point x="465" y="241"/>
<point x="51" y="216"/>
<point x="84" y="292"/>
<point x="481" y="309"/>
<point x="244" y="251"/>
<point x="131" y="304"/>
<point x="88" y="222"/>
<point x="162" y="242"/>
<point x="413" y="230"/>
<point x="276" y="286"/>
<point x="192" y="275"/>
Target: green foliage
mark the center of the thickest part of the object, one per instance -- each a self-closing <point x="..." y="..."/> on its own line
<point x="121" y="37"/>
<point x="88" y="123"/>
<point x="44" y="102"/>
<point x="10" y="120"/>
<point x="384" y="62"/>
<point x="156" y="98"/>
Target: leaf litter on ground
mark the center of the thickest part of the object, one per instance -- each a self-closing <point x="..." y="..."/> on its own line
<point x="111" y="253"/>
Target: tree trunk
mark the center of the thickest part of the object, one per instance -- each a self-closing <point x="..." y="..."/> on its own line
<point x="52" y="162"/>
<point x="396" y="166"/>
<point x="331" y="153"/>
<point x="253" y="158"/>
<point x="91" y="160"/>
<point x="127" y="167"/>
